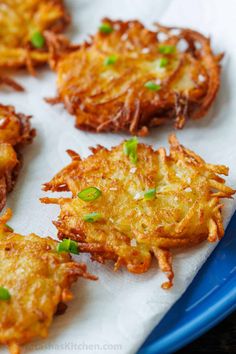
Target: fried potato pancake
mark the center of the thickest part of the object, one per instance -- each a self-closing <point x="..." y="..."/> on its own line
<point x="20" y="21"/>
<point x="126" y="79"/>
<point x="141" y="208"/>
<point x="38" y="279"/>
<point x="15" y="132"/>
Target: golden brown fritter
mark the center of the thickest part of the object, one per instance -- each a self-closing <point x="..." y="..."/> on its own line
<point x="22" y="25"/>
<point x="15" y="132"/>
<point x="126" y="79"/>
<point x="8" y="166"/>
<point x="140" y="209"/>
<point x="38" y="279"/>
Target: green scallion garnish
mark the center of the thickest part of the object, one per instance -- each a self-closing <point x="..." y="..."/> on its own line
<point x="37" y="39"/>
<point x="9" y="228"/>
<point x="130" y="149"/>
<point x="150" y="194"/>
<point x="89" y="194"/>
<point x="152" y="86"/>
<point x="67" y="245"/>
<point x="105" y="28"/>
<point x="92" y="217"/>
<point x="4" y="294"/>
<point x="163" y="62"/>
<point x="166" y="49"/>
<point x="111" y="60"/>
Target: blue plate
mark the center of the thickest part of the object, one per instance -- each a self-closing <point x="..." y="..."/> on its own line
<point x="208" y="300"/>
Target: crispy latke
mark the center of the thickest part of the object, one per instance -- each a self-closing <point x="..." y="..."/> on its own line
<point x="19" y="21"/>
<point x="181" y="208"/>
<point x="128" y="80"/>
<point x="38" y="279"/>
<point x="15" y="132"/>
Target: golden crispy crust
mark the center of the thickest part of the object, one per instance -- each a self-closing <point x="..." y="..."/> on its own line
<point x="18" y="21"/>
<point x="15" y="132"/>
<point x="186" y="208"/>
<point x="38" y="279"/>
<point x="114" y="97"/>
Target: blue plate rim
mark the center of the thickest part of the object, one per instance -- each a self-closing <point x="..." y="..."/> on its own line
<point x="196" y="327"/>
<point x="204" y="320"/>
<point x="164" y="340"/>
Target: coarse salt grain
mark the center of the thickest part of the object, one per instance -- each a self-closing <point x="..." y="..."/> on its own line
<point x="133" y="242"/>
<point x="145" y="51"/>
<point x="124" y="37"/>
<point x="133" y="170"/>
<point x="201" y="78"/>
<point x="137" y="196"/>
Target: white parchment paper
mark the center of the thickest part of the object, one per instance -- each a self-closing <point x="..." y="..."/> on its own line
<point x="117" y="313"/>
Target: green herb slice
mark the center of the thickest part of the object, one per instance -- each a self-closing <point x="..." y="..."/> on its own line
<point x="67" y="245"/>
<point x="166" y="49"/>
<point x="4" y="294"/>
<point x="130" y="149"/>
<point x="163" y="62"/>
<point x="152" y="86"/>
<point x="150" y="194"/>
<point x="111" y="60"/>
<point x="92" y="217"/>
<point x="106" y="28"/>
<point x="9" y="228"/>
<point x="37" y="39"/>
<point x="89" y="194"/>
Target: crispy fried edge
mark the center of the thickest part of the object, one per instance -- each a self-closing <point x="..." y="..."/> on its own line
<point x="211" y="61"/>
<point x="7" y="81"/>
<point x="7" y="182"/>
<point x="60" y="47"/>
<point x="30" y="63"/>
<point x="163" y="255"/>
<point x="77" y="270"/>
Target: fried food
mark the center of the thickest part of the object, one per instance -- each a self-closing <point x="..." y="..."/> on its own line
<point x="7" y="81"/>
<point x="22" y="28"/>
<point x="148" y="203"/>
<point x="126" y="79"/>
<point x="37" y="279"/>
<point x="15" y="132"/>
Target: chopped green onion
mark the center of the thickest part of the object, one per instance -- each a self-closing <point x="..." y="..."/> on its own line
<point x="74" y="247"/>
<point x="112" y="59"/>
<point x="4" y="294"/>
<point x="163" y="62"/>
<point x="105" y="28"/>
<point x="37" y="39"/>
<point x="92" y="217"/>
<point x="89" y="194"/>
<point x="63" y="246"/>
<point x="130" y="149"/>
<point x="167" y="49"/>
<point x="68" y="246"/>
<point x="150" y="194"/>
<point x="9" y="228"/>
<point x="152" y="86"/>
